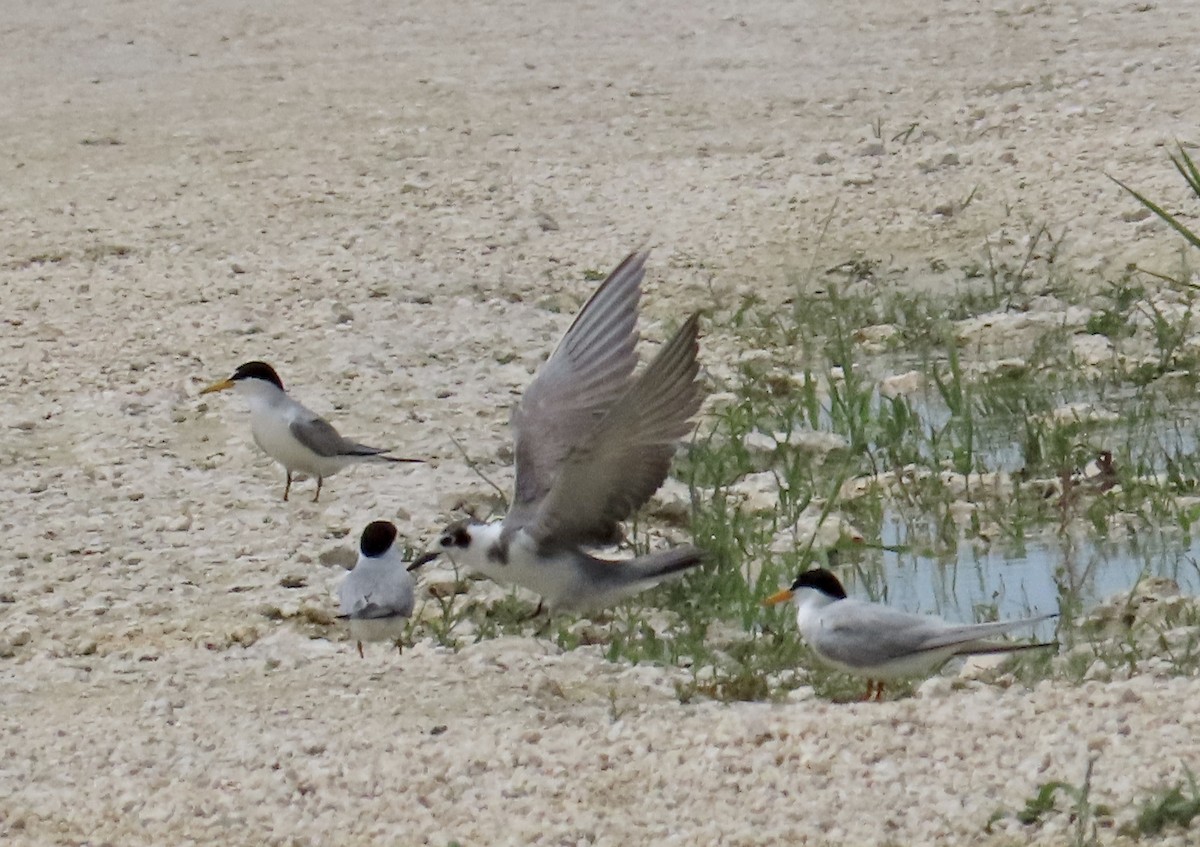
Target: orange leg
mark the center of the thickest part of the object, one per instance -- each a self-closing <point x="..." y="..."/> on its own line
<point x="287" y="488"/>
<point x="360" y="652"/>
<point x="874" y="691"/>
<point x="317" y="496"/>
<point x="536" y="612"/>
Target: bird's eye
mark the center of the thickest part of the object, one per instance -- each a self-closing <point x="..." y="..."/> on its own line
<point x="444" y="541"/>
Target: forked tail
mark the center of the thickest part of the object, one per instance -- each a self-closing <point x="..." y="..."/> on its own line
<point x="982" y="648"/>
<point x="602" y="582"/>
<point x="366" y="451"/>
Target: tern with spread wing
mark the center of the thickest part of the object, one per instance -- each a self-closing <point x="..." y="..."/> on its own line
<point x="877" y="643"/>
<point x="291" y="434"/>
<point x="593" y="443"/>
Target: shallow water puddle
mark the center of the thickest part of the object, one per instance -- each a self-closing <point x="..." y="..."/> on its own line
<point x="985" y="583"/>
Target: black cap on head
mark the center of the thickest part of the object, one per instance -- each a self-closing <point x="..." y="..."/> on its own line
<point x="821" y="580"/>
<point x="377" y="538"/>
<point x="257" y="370"/>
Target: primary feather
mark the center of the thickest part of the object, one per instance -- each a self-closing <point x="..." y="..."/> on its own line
<point x="574" y="388"/>
<point x="602" y="482"/>
<point x="869" y="635"/>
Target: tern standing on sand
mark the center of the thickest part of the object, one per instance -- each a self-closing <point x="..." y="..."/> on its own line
<point x="877" y="643"/>
<point x="292" y="434"/>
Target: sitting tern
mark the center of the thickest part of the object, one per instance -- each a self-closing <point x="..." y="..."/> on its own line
<point x="292" y="434"/>
<point x="377" y="596"/>
<point x="878" y="643"/>
<point x="592" y="444"/>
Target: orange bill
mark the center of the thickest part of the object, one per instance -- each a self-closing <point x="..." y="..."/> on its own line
<point x="220" y="385"/>
<point x="778" y="597"/>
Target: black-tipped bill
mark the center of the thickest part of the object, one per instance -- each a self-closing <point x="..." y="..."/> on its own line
<point x="424" y="559"/>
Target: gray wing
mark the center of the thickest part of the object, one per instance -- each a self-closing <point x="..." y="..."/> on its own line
<point x="588" y="370"/>
<point x="867" y="634"/>
<point x="967" y="638"/>
<point x="318" y="435"/>
<point x="369" y="593"/>
<point x="608" y="476"/>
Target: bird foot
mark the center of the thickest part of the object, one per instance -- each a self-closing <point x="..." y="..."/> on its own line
<point x="536" y="612"/>
<point x="874" y="691"/>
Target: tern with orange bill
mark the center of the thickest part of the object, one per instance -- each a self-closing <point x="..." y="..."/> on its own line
<point x="881" y="644"/>
<point x="291" y="434"/>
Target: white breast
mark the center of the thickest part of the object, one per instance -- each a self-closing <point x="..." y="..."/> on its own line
<point x="271" y="425"/>
<point x="555" y="578"/>
<point x="378" y="629"/>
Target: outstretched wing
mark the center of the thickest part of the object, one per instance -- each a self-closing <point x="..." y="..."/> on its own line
<point x="586" y="373"/>
<point x="613" y="472"/>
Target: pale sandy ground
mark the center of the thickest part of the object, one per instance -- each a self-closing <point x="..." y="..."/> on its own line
<point x="395" y="203"/>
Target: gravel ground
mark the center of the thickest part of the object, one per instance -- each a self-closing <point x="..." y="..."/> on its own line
<point x="396" y="206"/>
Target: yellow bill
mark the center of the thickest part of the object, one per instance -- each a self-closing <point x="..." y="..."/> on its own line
<point x="779" y="597"/>
<point x="220" y="385"/>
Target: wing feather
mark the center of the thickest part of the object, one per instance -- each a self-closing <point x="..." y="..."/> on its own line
<point x="376" y="592"/>
<point x="969" y="636"/>
<point x="605" y="478"/>
<point x="868" y="634"/>
<point x="588" y="370"/>
<point x="318" y="435"/>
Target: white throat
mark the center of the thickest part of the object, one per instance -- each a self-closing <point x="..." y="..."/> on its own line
<point x="259" y="393"/>
<point x="810" y="603"/>
<point x="481" y="553"/>
<point x="553" y="578"/>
